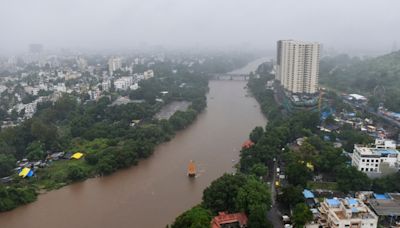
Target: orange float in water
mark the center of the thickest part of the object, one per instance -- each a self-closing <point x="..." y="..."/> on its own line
<point x="191" y="169"/>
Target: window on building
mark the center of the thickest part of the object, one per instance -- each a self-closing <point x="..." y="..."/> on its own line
<point x="362" y="169"/>
<point x="363" y="160"/>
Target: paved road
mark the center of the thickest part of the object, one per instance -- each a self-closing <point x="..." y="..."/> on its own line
<point x="274" y="216"/>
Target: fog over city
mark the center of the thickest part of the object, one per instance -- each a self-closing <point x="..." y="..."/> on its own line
<point x="351" y="26"/>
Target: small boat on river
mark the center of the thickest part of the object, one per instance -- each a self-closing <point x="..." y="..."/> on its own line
<point x="191" y="170"/>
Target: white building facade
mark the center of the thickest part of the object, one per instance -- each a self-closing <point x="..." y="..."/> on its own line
<point x="298" y="66"/>
<point x="371" y="159"/>
<point x="346" y="213"/>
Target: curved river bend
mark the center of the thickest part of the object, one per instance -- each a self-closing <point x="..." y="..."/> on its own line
<point x="153" y="193"/>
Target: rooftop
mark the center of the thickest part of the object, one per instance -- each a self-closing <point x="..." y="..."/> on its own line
<point x="224" y="218"/>
<point x="376" y="151"/>
<point x="389" y="205"/>
<point x="308" y="194"/>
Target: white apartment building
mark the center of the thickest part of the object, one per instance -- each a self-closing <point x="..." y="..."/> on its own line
<point x="385" y="144"/>
<point x="106" y="85"/>
<point x="371" y="159"/>
<point x="123" y="83"/>
<point x="114" y="64"/>
<point x="346" y="213"/>
<point x="298" y="66"/>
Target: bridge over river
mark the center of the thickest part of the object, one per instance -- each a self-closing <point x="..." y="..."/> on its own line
<point x="242" y="74"/>
<point x="231" y="77"/>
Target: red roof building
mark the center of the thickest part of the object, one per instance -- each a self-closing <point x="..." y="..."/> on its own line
<point x="247" y="144"/>
<point x="224" y="220"/>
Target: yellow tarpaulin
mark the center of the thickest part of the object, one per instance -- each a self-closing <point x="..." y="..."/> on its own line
<point x="310" y="166"/>
<point x="24" y="172"/>
<point x="77" y="155"/>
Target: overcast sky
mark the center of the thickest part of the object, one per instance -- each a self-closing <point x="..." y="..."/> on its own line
<point x="371" y="25"/>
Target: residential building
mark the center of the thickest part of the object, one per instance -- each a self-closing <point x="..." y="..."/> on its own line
<point x="376" y="159"/>
<point x="346" y="213"/>
<point x="298" y="66"/>
<point x="224" y="220"/>
<point x="385" y="144"/>
<point x="123" y="83"/>
<point x="114" y="64"/>
<point x="106" y="85"/>
<point x="386" y="205"/>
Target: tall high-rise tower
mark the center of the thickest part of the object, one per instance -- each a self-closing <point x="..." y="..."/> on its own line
<point x="298" y="66"/>
<point x="114" y="64"/>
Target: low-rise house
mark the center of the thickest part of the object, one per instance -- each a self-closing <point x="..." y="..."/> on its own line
<point x="346" y="213"/>
<point x="387" y="207"/>
<point x="224" y="220"/>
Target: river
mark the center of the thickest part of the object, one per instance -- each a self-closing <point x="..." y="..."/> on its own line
<point x="157" y="190"/>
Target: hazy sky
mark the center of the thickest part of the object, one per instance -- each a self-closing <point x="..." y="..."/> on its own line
<point x="342" y="24"/>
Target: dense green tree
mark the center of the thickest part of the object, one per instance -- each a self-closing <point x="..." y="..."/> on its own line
<point x="11" y="197"/>
<point x="197" y="217"/>
<point x="256" y="134"/>
<point x="350" y="179"/>
<point x="258" y="216"/>
<point x="390" y="183"/>
<point x="7" y="163"/>
<point x="307" y="151"/>
<point x="259" y="170"/>
<point x="36" y="151"/>
<point x="76" y="172"/>
<point x="301" y="215"/>
<point x="291" y="195"/>
<point x="253" y="192"/>
<point x="221" y="194"/>
<point x="298" y="173"/>
<point x="91" y="159"/>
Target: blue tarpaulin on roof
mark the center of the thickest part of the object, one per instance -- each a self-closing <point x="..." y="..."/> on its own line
<point x="351" y="201"/>
<point x="333" y="202"/>
<point x="380" y="196"/>
<point x="308" y="194"/>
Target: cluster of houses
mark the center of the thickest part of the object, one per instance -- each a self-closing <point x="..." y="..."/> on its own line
<point x="378" y="159"/>
<point x="365" y="209"/>
<point x="392" y="115"/>
<point x="131" y="82"/>
<point x="46" y="77"/>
